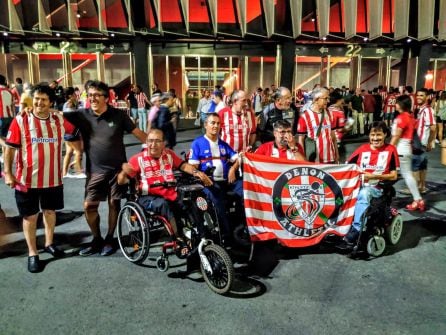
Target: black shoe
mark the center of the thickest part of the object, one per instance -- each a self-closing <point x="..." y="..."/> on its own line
<point x="55" y="251"/>
<point x="94" y="247"/>
<point x="349" y="240"/>
<point x="352" y="236"/>
<point x="34" y="264"/>
<point x="108" y="247"/>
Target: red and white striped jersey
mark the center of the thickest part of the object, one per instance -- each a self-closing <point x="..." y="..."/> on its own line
<point x="338" y="116"/>
<point x="236" y="129"/>
<point x="156" y="170"/>
<point x="308" y="125"/>
<point x="426" y="118"/>
<point x="39" y="143"/>
<point x="6" y="103"/>
<point x="141" y="99"/>
<point x="390" y="104"/>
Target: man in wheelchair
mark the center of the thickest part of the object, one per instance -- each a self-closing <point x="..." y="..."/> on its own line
<point x="379" y="162"/>
<point x="209" y="152"/>
<point x="153" y="169"/>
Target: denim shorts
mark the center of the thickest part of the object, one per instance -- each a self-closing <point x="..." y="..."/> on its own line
<point x="419" y="162"/>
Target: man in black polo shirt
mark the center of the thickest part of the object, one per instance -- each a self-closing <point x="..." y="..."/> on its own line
<point x="102" y="128"/>
<point x="356" y="105"/>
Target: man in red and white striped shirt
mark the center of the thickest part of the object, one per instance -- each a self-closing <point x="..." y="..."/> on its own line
<point x="426" y="126"/>
<point x="38" y="139"/>
<point x="238" y="123"/>
<point x="323" y="134"/>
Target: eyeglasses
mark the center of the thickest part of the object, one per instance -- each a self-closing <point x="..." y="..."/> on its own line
<point x="284" y="132"/>
<point x="154" y="141"/>
<point x="95" y="95"/>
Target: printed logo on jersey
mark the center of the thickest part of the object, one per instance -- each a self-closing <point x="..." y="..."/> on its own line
<point x="43" y="140"/>
<point x="306" y="201"/>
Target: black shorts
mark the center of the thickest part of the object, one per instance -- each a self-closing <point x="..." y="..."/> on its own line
<point x="439" y="120"/>
<point x="5" y="122"/>
<point x="102" y="186"/>
<point x="30" y="202"/>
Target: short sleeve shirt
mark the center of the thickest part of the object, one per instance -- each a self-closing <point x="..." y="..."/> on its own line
<point x="39" y="143"/>
<point x="376" y="161"/>
<point x="207" y="154"/>
<point x="103" y="137"/>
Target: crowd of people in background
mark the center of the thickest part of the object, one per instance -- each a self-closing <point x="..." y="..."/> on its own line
<point x="300" y="125"/>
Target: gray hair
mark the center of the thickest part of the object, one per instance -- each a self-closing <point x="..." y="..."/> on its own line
<point x="318" y="92"/>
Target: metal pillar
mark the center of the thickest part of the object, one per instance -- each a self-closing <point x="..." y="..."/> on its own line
<point x="100" y="66"/>
<point x="384" y="71"/>
<point x="355" y="72"/>
<point x="33" y="67"/>
<point x="67" y="69"/>
<point x="325" y="71"/>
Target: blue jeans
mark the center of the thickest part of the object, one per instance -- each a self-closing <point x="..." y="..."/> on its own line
<point x="217" y="195"/>
<point x="134" y="113"/>
<point x="142" y="119"/>
<point x="366" y="193"/>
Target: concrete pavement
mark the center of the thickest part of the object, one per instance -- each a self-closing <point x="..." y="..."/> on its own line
<point x="310" y="291"/>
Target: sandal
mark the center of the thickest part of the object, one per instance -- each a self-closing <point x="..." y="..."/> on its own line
<point x="417" y="205"/>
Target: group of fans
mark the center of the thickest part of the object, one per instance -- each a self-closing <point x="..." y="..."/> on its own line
<point x="35" y="136"/>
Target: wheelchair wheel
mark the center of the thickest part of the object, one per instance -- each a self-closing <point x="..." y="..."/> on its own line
<point x="162" y="263"/>
<point x="394" y="230"/>
<point x="222" y="276"/>
<point x="376" y="245"/>
<point x="133" y="233"/>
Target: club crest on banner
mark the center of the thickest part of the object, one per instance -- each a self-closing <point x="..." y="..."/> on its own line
<point x="306" y="201"/>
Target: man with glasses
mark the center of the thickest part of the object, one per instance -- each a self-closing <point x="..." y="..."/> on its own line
<point x="102" y="128"/>
<point x="280" y="109"/>
<point x="284" y="145"/>
<point x="238" y="123"/>
<point x="155" y="165"/>
<point x="317" y="124"/>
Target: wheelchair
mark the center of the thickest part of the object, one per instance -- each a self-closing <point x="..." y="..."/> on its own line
<point x="381" y="224"/>
<point x="138" y="228"/>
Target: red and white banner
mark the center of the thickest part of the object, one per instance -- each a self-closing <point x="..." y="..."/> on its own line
<point x="298" y="204"/>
